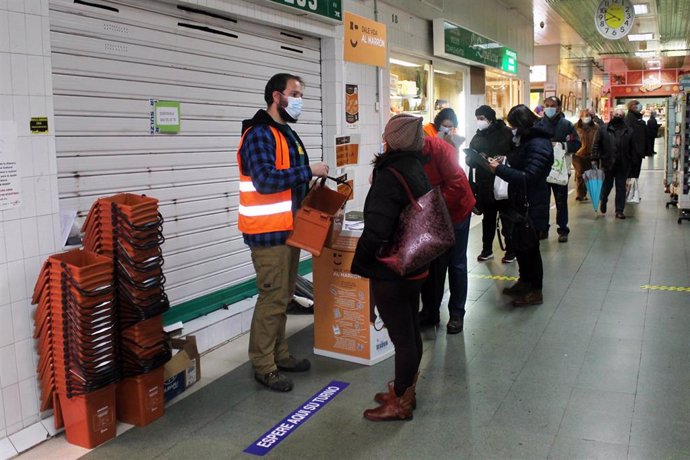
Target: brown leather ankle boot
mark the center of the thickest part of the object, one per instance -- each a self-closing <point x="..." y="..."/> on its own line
<point x="394" y="407"/>
<point x="533" y="297"/>
<point x="381" y="397"/>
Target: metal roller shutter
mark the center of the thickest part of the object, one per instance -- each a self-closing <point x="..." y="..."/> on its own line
<point x="109" y="59"/>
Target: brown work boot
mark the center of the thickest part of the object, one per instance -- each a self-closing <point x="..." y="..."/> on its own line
<point x="394" y="407"/>
<point x="533" y="297"/>
<point x="518" y="289"/>
<point x="382" y="397"/>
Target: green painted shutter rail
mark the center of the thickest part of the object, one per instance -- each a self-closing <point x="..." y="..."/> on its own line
<point x="209" y="303"/>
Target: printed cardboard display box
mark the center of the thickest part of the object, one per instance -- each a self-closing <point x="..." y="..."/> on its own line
<point x="184" y="368"/>
<point x="346" y="321"/>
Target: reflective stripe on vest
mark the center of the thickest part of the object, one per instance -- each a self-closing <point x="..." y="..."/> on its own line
<point x="265" y="212"/>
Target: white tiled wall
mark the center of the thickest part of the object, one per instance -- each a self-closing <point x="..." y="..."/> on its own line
<point x="30" y="233"/>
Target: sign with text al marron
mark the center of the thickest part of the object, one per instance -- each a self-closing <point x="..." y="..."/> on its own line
<point x="365" y="40"/>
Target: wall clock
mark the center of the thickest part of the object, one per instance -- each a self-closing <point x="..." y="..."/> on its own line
<point x="614" y="18"/>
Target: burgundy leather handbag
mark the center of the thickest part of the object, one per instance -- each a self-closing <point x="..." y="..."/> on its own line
<point x="424" y="232"/>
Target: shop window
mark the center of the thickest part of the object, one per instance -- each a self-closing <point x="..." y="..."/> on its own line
<point x="409" y="81"/>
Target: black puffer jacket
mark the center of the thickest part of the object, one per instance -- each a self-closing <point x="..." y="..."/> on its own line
<point x="614" y="146"/>
<point x="639" y="139"/>
<point x="494" y="141"/>
<point x="530" y="164"/>
<point x="384" y="203"/>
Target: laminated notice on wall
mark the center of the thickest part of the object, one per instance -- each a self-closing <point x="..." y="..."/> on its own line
<point x="164" y="117"/>
<point x="351" y="105"/>
<point x="346" y="150"/>
<point x="10" y="182"/>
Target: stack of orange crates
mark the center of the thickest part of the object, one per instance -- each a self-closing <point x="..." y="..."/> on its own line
<point x="76" y="328"/>
<point x="129" y="228"/>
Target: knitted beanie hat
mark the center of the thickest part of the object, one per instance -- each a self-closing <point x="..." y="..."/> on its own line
<point x="485" y="111"/>
<point x="404" y="132"/>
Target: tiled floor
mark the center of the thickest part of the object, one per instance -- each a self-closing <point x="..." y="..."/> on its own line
<point x="600" y="370"/>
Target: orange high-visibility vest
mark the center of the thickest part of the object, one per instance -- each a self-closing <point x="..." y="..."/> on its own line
<point x="430" y="130"/>
<point x="265" y="212"/>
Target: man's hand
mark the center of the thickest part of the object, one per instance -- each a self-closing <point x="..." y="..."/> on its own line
<point x="319" y="169"/>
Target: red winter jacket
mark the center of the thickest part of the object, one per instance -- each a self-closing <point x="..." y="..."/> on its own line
<point x="444" y="169"/>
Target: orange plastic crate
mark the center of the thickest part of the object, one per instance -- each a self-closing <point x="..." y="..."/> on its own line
<point x="140" y="398"/>
<point x="89" y="419"/>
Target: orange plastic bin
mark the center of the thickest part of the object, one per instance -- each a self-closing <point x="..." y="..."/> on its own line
<point x="140" y="398"/>
<point x="89" y="419"/>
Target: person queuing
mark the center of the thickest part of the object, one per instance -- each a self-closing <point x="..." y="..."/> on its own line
<point x="445" y="126"/>
<point x="443" y="170"/>
<point x="639" y="134"/>
<point x="397" y="298"/>
<point x="562" y="130"/>
<point x="528" y="192"/>
<point x="274" y="172"/>
<point x="652" y="133"/>
<point x="586" y="128"/>
<point x="492" y="138"/>
<point x="614" y="151"/>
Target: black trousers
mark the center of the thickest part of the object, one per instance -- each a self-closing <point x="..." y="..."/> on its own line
<point x="398" y="304"/>
<point x="531" y="267"/>
<point x="619" y="175"/>
<point x="489" y="213"/>
<point x="434" y="287"/>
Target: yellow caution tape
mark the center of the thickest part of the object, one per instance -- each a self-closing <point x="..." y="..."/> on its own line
<point x="666" y="288"/>
<point x="495" y="277"/>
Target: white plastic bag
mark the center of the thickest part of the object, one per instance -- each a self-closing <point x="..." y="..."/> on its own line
<point x="559" y="170"/>
<point x="500" y="189"/>
<point x="632" y="191"/>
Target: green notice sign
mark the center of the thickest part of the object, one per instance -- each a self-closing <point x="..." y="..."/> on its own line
<point x="331" y="9"/>
<point x="165" y="117"/>
<point x="469" y="45"/>
<point x="509" y="61"/>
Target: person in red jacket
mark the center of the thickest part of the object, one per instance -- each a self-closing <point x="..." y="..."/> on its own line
<point x="443" y="169"/>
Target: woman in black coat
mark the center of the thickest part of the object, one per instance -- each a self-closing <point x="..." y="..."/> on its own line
<point x="613" y="149"/>
<point x="397" y="298"/>
<point x="529" y="194"/>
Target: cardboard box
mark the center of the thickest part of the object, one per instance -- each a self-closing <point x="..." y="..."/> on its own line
<point x="184" y="368"/>
<point x="346" y="322"/>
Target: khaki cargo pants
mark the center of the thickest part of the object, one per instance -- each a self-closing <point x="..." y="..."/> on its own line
<point x="276" y="275"/>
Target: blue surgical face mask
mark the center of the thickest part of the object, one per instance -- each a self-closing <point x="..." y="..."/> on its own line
<point x="550" y="112"/>
<point x="294" y="107"/>
<point x="639" y="107"/>
<point x="444" y="130"/>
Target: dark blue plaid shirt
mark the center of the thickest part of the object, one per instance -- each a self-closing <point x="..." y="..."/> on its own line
<point x="259" y="162"/>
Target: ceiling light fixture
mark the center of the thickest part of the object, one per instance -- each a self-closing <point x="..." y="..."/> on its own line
<point x="403" y="63"/>
<point x="640" y="37"/>
<point x="654" y="64"/>
<point x="443" y="72"/>
<point x="641" y="8"/>
<point x="645" y="53"/>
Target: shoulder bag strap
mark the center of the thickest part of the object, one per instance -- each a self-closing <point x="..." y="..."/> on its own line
<point x="402" y="180"/>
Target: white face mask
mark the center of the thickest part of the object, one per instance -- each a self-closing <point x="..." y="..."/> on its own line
<point x="294" y="107"/>
<point x="482" y="124"/>
<point x="443" y="130"/>
<point x="514" y="131"/>
<point x="586" y="120"/>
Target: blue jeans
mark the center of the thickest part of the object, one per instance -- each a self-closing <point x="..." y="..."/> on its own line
<point x="457" y="269"/>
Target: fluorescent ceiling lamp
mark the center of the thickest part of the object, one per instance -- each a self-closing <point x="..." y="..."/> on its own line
<point x="640" y="37"/>
<point x="654" y="65"/>
<point x="645" y="53"/>
<point x="443" y="72"/>
<point x="641" y="8"/>
<point x="537" y="73"/>
<point x="403" y="63"/>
